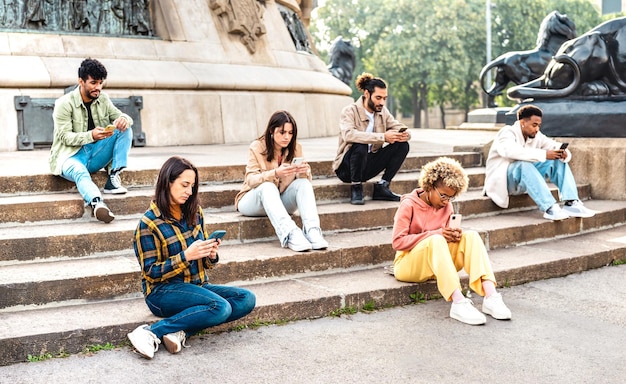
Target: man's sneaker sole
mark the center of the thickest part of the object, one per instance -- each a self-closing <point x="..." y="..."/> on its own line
<point x="117" y="191"/>
<point x="104" y="214"/>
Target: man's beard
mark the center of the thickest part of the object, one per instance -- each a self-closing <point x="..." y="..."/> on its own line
<point x="372" y="106"/>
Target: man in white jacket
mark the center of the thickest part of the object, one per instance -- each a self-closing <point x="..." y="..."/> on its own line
<point x="522" y="158"/>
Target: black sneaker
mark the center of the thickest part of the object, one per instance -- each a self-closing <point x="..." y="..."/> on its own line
<point x="382" y="192"/>
<point x="114" y="184"/>
<point x="357" y="194"/>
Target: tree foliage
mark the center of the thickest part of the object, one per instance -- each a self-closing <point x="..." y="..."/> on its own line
<point x="431" y="52"/>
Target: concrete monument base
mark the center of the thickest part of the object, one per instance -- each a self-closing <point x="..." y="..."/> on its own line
<point x="600" y="163"/>
<point x="201" y="81"/>
<point x="580" y="118"/>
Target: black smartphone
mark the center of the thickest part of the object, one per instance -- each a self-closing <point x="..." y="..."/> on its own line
<point x="217" y="234"/>
<point x="564" y="145"/>
<point x="402" y="129"/>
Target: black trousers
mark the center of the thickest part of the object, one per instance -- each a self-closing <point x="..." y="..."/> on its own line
<point x="359" y="165"/>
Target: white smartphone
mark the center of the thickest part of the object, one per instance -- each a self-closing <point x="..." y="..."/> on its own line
<point x="455" y="220"/>
<point x="297" y="160"/>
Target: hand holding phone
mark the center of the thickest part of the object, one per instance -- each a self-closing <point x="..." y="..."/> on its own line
<point x="217" y="234"/>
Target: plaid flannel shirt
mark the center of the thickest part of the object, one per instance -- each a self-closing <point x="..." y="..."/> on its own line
<point x="160" y="249"/>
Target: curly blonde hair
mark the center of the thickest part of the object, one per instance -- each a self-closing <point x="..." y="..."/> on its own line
<point x="445" y="170"/>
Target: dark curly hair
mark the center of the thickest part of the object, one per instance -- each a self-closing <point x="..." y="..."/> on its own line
<point x="92" y="67"/>
<point x="528" y="111"/>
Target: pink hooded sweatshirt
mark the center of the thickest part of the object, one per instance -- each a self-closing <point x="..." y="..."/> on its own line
<point x="415" y="220"/>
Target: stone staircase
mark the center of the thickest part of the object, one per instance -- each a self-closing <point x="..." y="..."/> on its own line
<point x="68" y="281"/>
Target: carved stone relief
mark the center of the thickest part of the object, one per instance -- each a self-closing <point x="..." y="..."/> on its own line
<point x="296" y="29"/>
<point x="243" y="18"/>
<point x="107" y="17"/>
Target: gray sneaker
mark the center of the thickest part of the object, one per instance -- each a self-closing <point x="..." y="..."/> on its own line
<point x="577" y="209"/>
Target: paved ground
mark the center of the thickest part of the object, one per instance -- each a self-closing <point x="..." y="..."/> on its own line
<point x="567" y="330"/>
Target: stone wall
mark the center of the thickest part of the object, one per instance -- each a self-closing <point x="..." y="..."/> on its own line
<point x="600" y="162"/>
<point x="203" y="81"/>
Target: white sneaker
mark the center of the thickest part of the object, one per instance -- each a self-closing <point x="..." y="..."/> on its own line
<point x="174" y="342"/>
<point x="577" y="209"/>
<point x="144" y="341"/>
<point x="555" y="213"/>
<point x="297" y="242"/>
<point x="465" y="312"/>
<point x="314" y="235"/>
<point x="494" y="306"/>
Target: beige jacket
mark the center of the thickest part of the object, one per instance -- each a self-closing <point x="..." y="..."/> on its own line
<point x="509" y="146"/>
<point x="354" y="122"/>
<point x="259" y="170"/>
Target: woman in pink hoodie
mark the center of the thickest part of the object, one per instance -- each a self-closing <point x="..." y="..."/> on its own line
<point x="427" y="248"/>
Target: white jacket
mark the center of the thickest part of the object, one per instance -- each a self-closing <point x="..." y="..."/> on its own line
<point x="509" y="146"/>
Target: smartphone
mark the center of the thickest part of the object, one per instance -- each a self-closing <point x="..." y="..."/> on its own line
<point x="109" y="127"/>
<point x="402" y="129"/>
<point x="564" y="145"/>
<point x="217" y="234"/>
<point x="455" y="220"/>
<point x="297" y="160"/>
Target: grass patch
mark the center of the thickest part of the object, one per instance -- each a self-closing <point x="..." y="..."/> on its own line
<point x="418" y="297"/>
<point x="617" y="262"/>
<point x="343" y="311"/>
<point x="46" y="356"/>
<point x="99" y="347"/>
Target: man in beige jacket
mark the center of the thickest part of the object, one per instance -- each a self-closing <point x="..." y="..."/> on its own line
<point x="371" y="141"/>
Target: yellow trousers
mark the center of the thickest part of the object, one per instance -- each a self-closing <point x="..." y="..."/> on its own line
<point x="435" y="258"/>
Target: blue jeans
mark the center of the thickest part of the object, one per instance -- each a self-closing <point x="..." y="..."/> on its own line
<point x="266" y="200"/>
<point x="524" y="176"/>
<point x="192" y="308"/>
<point x="92" y="157"/>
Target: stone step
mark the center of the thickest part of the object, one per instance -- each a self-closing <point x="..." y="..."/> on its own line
<point x="108" y="275"/>
<point x="69" y="205"/>
<point x="70" y="326"/>
<point x="83" y="237"/>
<point x="226" y="173"/>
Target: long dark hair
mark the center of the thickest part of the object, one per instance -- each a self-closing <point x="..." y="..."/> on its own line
<point x="278" y="120"/>
<point x="170" y="171"/>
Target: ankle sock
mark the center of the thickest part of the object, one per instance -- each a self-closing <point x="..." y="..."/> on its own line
<point x="489" y="287"/>
<point x="457" y="296"/>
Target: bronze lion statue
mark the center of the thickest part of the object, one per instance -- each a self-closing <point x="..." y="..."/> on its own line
<point x="342" y="59"/>
<point x="591" y="65"/>
<point x="521" y="67"/>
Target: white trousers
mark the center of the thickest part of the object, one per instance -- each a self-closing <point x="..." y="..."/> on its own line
<point x="266" y="200"/>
